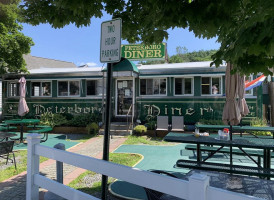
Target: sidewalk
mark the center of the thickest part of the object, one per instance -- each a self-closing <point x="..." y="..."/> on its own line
<point x="15" y="187"/>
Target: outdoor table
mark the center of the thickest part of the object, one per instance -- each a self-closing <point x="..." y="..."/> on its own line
<point x="6" y="135"/>
<point x="241" y="142"/>
<point x="22" y="122"/>
<point x="236" y="128"/>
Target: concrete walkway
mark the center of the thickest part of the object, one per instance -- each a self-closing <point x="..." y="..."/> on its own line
<point x="15" y="187"/>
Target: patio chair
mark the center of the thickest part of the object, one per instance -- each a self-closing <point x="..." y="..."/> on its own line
<point x="5" y="149"/>
<point x="156" y="195"/>
<point x="177" y="123"/>
<point x="162" y="124"/>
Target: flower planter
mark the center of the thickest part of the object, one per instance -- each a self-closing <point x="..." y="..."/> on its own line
<point x="69" y="129"/>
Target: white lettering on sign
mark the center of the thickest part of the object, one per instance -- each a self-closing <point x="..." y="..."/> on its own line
<point x="111" y="41"/>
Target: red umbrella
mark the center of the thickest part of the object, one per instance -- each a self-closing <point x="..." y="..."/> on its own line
<point x="22" y="107"/>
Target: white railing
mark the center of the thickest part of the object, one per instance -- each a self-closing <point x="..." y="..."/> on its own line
<point x="197" y="188"/>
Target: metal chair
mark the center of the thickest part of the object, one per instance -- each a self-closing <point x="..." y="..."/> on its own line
<point x="162" y="124"/>
<point x="156" y="195"/>
<point x="5" y="149"/>
<point x="177" y="123"/>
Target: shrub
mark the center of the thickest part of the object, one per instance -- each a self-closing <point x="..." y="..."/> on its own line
<point x="150" y="123"/>
<point x="257" y="122"/>
<point x="52" y="120"/>
<point x="140" y="129"/>
<point x="83" y="120"/>
<point x="210" y="122"/>
<point x="92" y="128"/>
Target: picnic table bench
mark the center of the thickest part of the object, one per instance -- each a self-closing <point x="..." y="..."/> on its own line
<point x="40" y="129"/>
<point x="213" y="149"/>
<point x="235" y="169"/>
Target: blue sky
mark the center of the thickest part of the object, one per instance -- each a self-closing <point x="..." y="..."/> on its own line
<point x="82" y="45"/>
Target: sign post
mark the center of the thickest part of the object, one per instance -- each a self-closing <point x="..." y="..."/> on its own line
<point x="109" y="53"/>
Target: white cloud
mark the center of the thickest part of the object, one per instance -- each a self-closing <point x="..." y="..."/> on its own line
<point x="91" y="64"/>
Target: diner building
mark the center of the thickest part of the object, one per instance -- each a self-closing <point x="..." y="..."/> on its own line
<point x="139" y="92"/>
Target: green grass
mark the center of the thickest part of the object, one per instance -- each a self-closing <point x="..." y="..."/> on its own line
<point x="21" y="163"/>
<point x="145" y="140"/>
<point x="81" y="182"/>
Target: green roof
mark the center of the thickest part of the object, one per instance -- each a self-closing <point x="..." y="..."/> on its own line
<point x="124" y="65"/>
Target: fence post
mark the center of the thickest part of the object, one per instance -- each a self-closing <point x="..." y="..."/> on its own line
<point x="59" y="165"/>
<point x="32" y="190"/>
<point x="198" y="184"/>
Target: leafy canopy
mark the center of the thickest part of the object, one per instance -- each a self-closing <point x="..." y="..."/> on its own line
<point x="13" y="44"/>
<point x="244" y="28"/>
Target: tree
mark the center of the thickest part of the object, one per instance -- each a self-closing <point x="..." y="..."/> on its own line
<point x="13" y="44"/>
<point x="244" y="28"/>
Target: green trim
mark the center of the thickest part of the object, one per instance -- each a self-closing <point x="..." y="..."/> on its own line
<point x="124" y="65"/>
<point x="197" y="85"/>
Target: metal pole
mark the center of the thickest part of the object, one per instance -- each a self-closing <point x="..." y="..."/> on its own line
<point x="107" y="122"/>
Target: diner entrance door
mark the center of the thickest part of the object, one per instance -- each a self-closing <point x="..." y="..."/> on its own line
<point x="124" y="94"/>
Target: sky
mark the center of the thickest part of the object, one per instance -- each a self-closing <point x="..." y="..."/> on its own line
<point x="82" y="45"/>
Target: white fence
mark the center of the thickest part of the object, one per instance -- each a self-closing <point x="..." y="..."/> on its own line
<point x="197" y="188"/>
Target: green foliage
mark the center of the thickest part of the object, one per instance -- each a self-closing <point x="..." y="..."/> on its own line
<point x="243" y="28"/>
<point x="140" y="129"/>
<point x="51" y="119"/>
<point x="150" y="123"/>
<point x="257" y="122"/>
<point x="194" y="56"/>
<point x="13" y="43"/>
<point x="92" y="128"/>
<point x="210" y="122"/>
<point x="81" y="120"/>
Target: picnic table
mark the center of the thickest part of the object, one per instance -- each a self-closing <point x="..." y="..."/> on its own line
<point x="241" y="129"/>
<point x="22" y="122"/>
<point x="240" y="142"/>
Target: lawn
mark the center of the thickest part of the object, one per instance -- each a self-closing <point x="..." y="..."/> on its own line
<point x="90" y="182"/>
<point x="7" y="171"/>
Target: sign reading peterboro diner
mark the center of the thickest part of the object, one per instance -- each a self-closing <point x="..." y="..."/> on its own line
<point x="144" y="52"/>
<point x="110" y="48"/>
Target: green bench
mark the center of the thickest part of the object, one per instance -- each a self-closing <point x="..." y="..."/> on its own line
<point x="212" y="149"/>
<point x="42" y="129"/>
<point x="235" y="169"/>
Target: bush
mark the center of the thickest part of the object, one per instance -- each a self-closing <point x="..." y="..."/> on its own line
<point x="92" y="128"/>
<point x="140" y="129"/>
<point x="259" y="123"/>
<point x="52" y="120"/>
<point x="210" y="122"/>
<point x="83" y="120"/>
<point x="150" y="123"/>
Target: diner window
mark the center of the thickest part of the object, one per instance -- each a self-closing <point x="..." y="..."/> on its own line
<point x="94" y="87"/>
<point x="211" y="85"/>
<point x="40" y="89"/>
<point x="248" y="79"/>
<point x="68" y="88"/>
<point x="13" y="89"/>
<point x="183" y="86"/>
<point x="155" y="86"/>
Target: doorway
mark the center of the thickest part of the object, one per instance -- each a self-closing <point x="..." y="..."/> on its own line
<point x="124" y="96"/>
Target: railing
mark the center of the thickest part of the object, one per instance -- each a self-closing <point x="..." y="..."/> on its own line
<point x="197" y="188"/>
<point x="130" y="108"/>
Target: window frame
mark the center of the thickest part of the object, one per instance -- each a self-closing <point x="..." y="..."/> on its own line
<point x="68" y="81"/>
<point x="103" y="85"/>
<point x="41" y="81"/>
<point x="252" y="90"/>
<point x="192" y="86"/>
<point x="220" y="88"/>
<point x="8" y="89"/>
<point x="153" y="95"/>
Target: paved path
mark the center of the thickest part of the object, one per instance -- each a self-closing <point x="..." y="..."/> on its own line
<point x="15" y="187"/>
